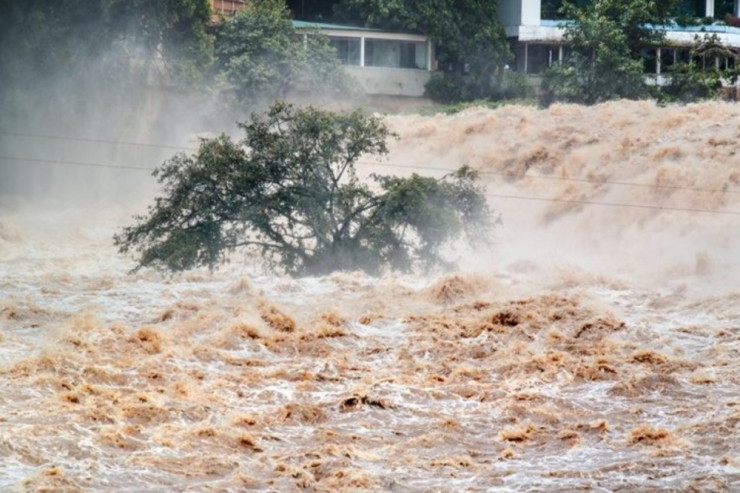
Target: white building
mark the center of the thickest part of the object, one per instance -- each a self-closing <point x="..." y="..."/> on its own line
<point x="384" y="63"/>
<point x="537" y="43"/>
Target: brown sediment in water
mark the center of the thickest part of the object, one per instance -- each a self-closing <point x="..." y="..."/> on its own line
<point x="648" y="435"/>
<point x="148" y="339"/>
<point x="590" y="348"/>
<point x="276" y="319"/>
<point x="455" y="288"/>
<point x="518" y="434"/>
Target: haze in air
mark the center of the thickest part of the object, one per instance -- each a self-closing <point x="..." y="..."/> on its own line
<point x="592" y="345"/>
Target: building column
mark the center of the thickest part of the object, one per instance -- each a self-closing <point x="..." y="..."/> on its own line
<point x="709" y="8"/>
<point x="736" y="9"/>
<point x="658" y="67"/>
<point x="362" y="51"/>
<point x="526" y="58"/>
<point x="430" y="59"/>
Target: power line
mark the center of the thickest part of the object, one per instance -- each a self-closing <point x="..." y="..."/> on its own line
<point x="96" y="141"/>
<point x="562" y="178"/>
<point x="611" y="204"/>
<point x="73" y="163"/>
<point x="492" y="195"/>
<point x="621" y="183"/>
<point x="391" y="165"/>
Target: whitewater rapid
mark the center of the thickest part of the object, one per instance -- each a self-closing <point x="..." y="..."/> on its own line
<point x="588" y="347"/>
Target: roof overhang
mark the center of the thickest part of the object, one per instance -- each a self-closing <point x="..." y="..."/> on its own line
<point x="552" y="32"/>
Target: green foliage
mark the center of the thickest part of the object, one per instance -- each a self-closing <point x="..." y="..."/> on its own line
<point x="689" y="84"/>
<point x="512" y="85"/>
<point x="262" y="58"/>
<point x="448" y="88"/>
<point x="699" y="78"/>
<point x="455" y="87"/>
<point x="457" y="107"/>
<point x="553" y="9"/>
<point x="70" y="57"/>
<point x="49" y="39"/>
<point x="604" y="62"/>
<point x="467" y="33"/>
<point x="289" y="191"/>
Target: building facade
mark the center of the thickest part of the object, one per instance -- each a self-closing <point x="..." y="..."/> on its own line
<point x="227" y="8"/>
<point x="537" y="42"/>
<point x="383" y="63"/>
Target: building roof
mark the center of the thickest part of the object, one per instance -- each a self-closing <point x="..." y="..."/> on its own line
<point x="704" y="28"/>
<point x="331" y="27"/>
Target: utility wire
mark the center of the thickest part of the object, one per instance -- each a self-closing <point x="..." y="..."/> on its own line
<point x="611" y="204"/>
<point x="561" y="178"/>
<point x="73" y="163"/>
<point x="492" y="195"/>
<point x="96" y="141"/>
<point x="386" y="164"/>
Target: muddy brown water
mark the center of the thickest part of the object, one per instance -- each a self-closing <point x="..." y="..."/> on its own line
<point x="589" y="347"/>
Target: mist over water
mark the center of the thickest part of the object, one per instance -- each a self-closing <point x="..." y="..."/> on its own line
<point x="656" y="164"/>
<point x="591" y="346"/>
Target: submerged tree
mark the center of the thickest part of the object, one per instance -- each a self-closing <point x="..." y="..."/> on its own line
<point x="289" y="191"/>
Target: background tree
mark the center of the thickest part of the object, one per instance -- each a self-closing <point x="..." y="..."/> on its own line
<point x="289" y="191"/>
<point x="66" y="57"/>
<point x="605" y="38"/>
<point x="701" y="78"/>
<point x="471" y="42"/>
<point x="47" y="39"/>
<point x="104" y="69"/>
<point x="262" y="58"/>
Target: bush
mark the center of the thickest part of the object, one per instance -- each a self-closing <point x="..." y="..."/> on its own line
<point x="455" y="87"/>
<point x="689" y="84"/>
<point x="447" y="88"/>
<point x="512" y="85"/>
<point x="692" y="81"/>
<point x="289" y="192"/>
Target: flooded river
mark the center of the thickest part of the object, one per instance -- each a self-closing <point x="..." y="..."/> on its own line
<point x="594" y="345"/>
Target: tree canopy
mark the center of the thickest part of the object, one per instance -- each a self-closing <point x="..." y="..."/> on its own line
<point x="70" y="57"/>
<point x="44" y="39"/>
<point x="605" y="39"/>
<point x="289" y="191"/>
<point x="262" y="58"/>
<point x="699" y="77"/>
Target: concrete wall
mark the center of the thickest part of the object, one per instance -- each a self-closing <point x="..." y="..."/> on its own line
<point x="516" y="13"/>
<point x="510" y="13"/>
<point x="531" y="12"/>
<point x="390" y="81"/>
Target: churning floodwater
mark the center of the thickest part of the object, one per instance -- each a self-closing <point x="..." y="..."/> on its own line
<point x="593" y="345"/>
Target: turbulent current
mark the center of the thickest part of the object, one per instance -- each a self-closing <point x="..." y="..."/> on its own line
<point x="594" y="345"/>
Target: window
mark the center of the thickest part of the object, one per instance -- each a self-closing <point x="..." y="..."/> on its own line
<point x="550" y="9"/>
<point x="723" y="7"/>
<point x="650" y="61"/>
<point x="683" y="55"/>
<point x="667" y="59"/>
<point x="348" y="50"/>
<point x="395" y="54"/>
<point x="538" y="58"/>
